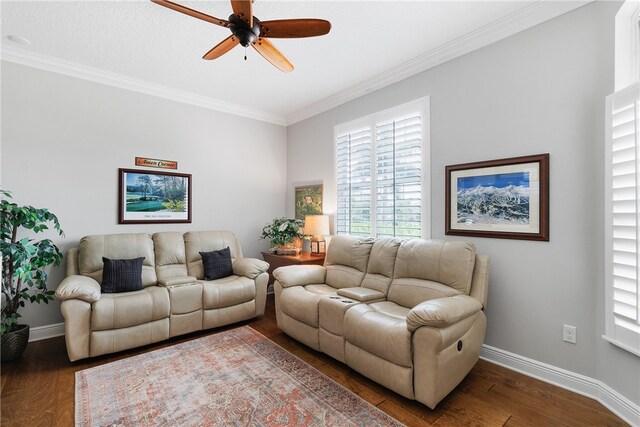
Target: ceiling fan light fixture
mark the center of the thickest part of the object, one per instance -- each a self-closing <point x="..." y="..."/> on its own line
<point x="247" y="31"/>
<point x="245" y="34"/>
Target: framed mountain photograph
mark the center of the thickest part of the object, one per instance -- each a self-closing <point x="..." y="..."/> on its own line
<point x="505" y="199"/>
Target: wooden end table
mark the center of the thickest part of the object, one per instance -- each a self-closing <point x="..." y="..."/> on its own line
<point x="275" y="261"/>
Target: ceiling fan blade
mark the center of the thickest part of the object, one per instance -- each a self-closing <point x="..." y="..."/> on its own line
<point x="221" y="48"/>
<point x="243" y="10"/>
<point x="271" y="54"/>
<point x="294" y="28"/>
<point x="193" y="13"/>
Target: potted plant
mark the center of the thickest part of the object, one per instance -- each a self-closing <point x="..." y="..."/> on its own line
<point x="284" y="235"/>
<point x="23" y="268"/>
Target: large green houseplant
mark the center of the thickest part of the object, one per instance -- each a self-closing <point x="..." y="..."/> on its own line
<point x="284" y="235"/>
<point x="24" y="260"/>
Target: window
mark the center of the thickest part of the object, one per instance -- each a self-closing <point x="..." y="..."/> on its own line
<point x="380" y="174"/>
<point x="622" y="219"/>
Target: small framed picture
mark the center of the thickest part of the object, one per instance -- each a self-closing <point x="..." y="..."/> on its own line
<point x="308" y="200"/>
<point x="154" y="197"/>
<point x="506" y="198"/>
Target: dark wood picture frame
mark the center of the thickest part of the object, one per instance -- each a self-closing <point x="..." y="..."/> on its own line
<point x="168" y="191"/>
<point x="524" y="221"/>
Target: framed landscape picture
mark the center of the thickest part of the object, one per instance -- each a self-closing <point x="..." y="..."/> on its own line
<point x="506" y="198"/>
<point x="308" y="200"/>
<point x="154" y="197"/>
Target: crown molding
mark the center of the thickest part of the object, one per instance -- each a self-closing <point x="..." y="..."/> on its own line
<point x="43" y="62"/>
<point x="518" y="21"/>
<point x="509" y="25"/>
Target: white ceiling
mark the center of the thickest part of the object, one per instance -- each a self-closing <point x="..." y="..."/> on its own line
<point x="371" y="44"/>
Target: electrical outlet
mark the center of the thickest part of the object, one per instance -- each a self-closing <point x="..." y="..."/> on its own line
<point x="569" y="334"/>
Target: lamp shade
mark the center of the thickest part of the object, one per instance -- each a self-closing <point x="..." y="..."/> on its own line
<point x="316" y="225"/>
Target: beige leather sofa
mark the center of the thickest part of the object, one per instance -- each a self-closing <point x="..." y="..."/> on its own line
<point x="175" y="299"/>
<point x="407" y="314"/>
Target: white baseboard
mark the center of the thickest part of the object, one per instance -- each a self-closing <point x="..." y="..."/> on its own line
<point x="48" y="331"/>
<point x="577" y="383"/>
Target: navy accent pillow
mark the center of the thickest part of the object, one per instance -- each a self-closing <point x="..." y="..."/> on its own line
<point x="121" y="275"/>
<point x="217" y="264"/>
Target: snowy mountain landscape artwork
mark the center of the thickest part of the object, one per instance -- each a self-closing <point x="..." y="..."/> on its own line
<point x="503" y="198"/>
<point x="494" y="199"/>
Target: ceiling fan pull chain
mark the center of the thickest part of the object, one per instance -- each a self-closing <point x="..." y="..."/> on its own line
<point x="245" y="53"/>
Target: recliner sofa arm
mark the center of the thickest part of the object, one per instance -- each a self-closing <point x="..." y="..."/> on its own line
<point x="249" y="267"/>
<point x="78" y="287"/>
<point x="442" y="312"/>
<point x="300" y="275"/>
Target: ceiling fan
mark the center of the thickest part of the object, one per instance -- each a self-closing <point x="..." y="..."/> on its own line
<point x="247" y="30"/>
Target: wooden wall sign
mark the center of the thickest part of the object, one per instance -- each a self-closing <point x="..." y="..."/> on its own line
<point x="156" y="163"/>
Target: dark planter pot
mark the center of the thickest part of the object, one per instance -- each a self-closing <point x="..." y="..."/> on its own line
<point x="14" y="342"/>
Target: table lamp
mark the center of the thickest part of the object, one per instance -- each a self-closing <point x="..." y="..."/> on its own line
<point x="318" y="227"/>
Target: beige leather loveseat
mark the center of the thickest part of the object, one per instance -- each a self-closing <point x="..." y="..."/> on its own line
<point x="174" y="300"/>
<point x="407" y="314"/>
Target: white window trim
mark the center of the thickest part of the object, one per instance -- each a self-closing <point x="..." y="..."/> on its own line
<point x="627" y="45"/>
<point x="422" y="106"/>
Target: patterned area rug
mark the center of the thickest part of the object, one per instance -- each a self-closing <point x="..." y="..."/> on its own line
<point x="237" y="377"/>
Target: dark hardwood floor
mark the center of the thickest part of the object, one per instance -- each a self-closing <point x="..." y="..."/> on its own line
<point x="38" y="390"/>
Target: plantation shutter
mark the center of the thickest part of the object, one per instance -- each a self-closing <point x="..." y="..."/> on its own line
<point x="399" y="177"/>
<point x="353" y="170"/>
<point x="623" y="219"/>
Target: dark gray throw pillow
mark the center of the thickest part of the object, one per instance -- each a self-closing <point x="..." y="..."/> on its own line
<point x="121" y="275"/>
<point x="217" y="264"/>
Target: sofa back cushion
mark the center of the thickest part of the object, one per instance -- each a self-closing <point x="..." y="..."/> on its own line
<point x="207" y="241"/>
<point x="427" y="269"/>
<point x="116" y="246"/>
<point x="381" y="264"/>
<point x="171" y="258"/>
<point x="346" y="260"/>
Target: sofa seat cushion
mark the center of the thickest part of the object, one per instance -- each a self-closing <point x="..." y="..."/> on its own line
<point x="301" y="302"/>
<point x="228" y="291"/>
<point x="125" y="309"/>
<point x="381" y="329"/>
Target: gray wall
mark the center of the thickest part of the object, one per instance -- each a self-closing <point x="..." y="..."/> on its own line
<point x="539" y="91"/>
<point x="63" y="140"/>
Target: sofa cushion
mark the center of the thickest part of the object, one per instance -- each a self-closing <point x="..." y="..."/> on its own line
<point x="346" y="260"/>
<point x="411" y="292"/>
<point x="121" y="275"/>
<point x="381" y="264"/>
<point x="448" y="262"/>
<point x="228" y="291"/>
<point x="381" y="329"/>
<point x="171" y="259"/>
<point x="116" y="246"/>
<point x="301" y="302"/>
<point x="217" y="264"/>
<point x="113" y="311"/>
<point x="207" y="241"/>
